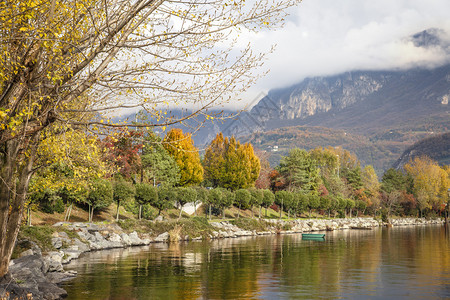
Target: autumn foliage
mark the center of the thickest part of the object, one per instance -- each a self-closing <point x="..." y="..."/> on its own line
<point x="230" y="164"/>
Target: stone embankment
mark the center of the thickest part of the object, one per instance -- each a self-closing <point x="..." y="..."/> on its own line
<point x="40" y="275"/>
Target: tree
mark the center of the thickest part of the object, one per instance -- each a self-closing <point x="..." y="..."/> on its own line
<point x="122" y="152"/>
<point x="226" y="201"/>
<point x="145" y="194"/>
<point x="157" y="165"/>
<point x="242" y="199"/>
<point x="256" y="199"/>
<point x="215" y="198"/>
<point x="67" y="172"/>
<point x="313" y="202"/>
<point x="325" y="204"/>
<point x="181" y="148"/>
<point x="184" y="195"/>
<point x="268" y="199"/>
<point x="282" y="197"/>
<point x="214" y="161"/>
<point x="393" y="180"/>
<point x="299" y="170"/>
<point x="429" y="183"/>
<point x="230" y="164"/>
<point x="123" y="191"/>
<point x="371" y="185"/>
<point x="263" y="181"/>
<point x="166" y="198"/>
<point x="100" y="196"/>
<point x="202" y="197"/>
<point x="62" y="64"/>
<point x="302" y="201"/>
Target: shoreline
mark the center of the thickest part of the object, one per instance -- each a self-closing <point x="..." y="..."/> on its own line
<point x="40" y="275"/>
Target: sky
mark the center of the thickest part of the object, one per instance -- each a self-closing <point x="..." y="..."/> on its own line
<point x="327" y="37"/>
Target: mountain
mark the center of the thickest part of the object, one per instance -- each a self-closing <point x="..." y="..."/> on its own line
<point x="375" y="114"/>
<point x="384" y="112"/>
<point x="436" y="147"/>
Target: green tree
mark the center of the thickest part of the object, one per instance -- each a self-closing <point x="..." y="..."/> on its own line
<point x="300" y="170"/>
<point x="184" y="195"/>
<point x="157" y="165"/>
<point x="325" y="204"/>
<point x="122" y="191"/>
<point x="256" y="199"/>
<point x="393" y="180"/>
<point x="227" y="200"/>
<point x="242" y="199"/>
<point x="181" y="147"/>
<point x="349" y="205"/>
<point x="268" y="199"/>
<point x="313" y="202"/>
<point x="166" y="198"/>
<point x="302" y="201"/>
<point x="100" y="196"/>
<point x="282" y="197"/>
<point x="145" y="194"/>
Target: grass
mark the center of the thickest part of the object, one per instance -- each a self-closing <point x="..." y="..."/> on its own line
<point x="193" y="227"/>
<point x="41" y="235"/>
<point x="251" y="224"/>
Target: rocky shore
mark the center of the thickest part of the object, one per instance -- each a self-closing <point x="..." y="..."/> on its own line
<point x="37" y="276"/>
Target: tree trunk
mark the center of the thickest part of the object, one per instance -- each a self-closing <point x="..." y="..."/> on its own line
<point x="29" y="216"/>
<point x="68" y="213"/>
<point x="266" y="211"/>
<point x="260" y="212"/>
<point x="210" y="212"/>
<point x="91" y="217"/>
<point x="140" y="211"/>
<point x="15" y="172"/>
<point x="181" y="210"/>
<point x="117" y="214"/>
<point x="239" y="211"/>
<point x="89" y="214"/>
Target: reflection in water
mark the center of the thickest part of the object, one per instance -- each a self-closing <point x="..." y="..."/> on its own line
<point x="403" y="262"/>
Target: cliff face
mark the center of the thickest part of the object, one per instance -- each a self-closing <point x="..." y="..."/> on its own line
<point x="417" y="91"/>
<point x="321" y="94"/>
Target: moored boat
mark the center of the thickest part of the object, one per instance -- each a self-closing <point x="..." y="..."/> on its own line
<point x="313" y="235"/>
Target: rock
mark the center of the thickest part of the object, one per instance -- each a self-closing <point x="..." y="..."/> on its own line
<point x="82" y="247"/>
<point x="126" y="240"/>
<point x="58" y="277"/>
<point x="54" y="260"/>
<point x="163" y="237"/>
<point x="135" y="240"/>
<point x="26" y="253"/>
<point x="115" y="238"/>
<point x="159" y="218"/>
<point x="29" y="271"/>
<point x="57" y="242"/>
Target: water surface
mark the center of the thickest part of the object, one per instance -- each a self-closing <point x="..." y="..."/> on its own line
<point x="402" y="262"/>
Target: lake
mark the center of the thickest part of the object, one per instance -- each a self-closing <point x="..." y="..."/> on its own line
<point x="402" y="262"/>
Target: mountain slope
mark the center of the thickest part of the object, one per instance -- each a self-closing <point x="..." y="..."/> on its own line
<point x="436" y="147"/>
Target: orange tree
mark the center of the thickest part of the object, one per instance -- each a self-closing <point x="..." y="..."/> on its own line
<point x="181" y="147"/>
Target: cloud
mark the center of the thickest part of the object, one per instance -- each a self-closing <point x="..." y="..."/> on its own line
<point x="326" y="37"/>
